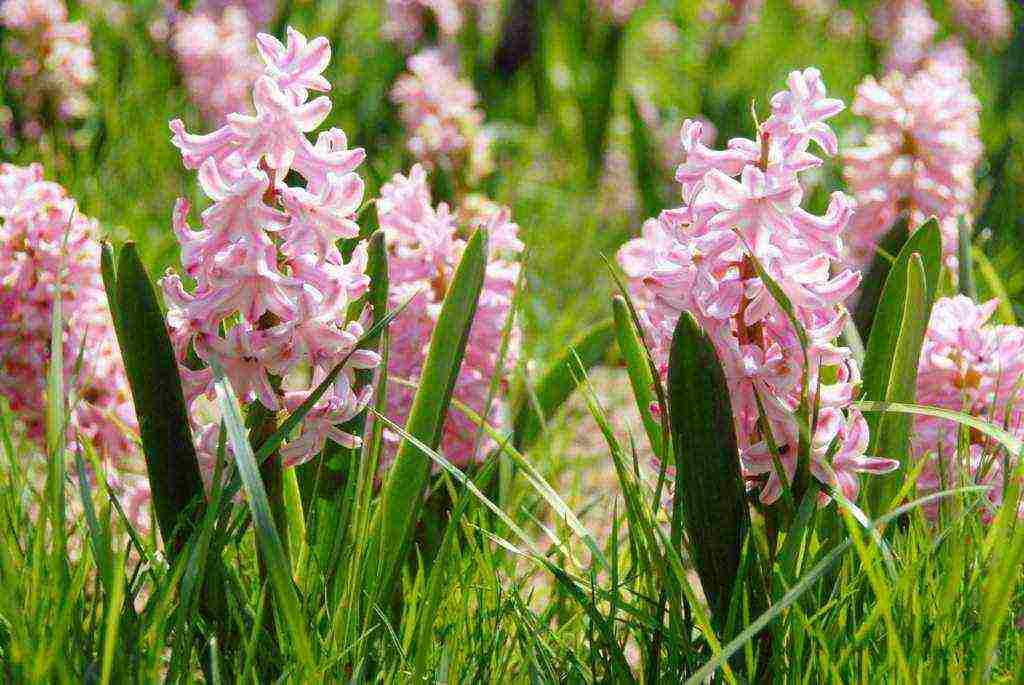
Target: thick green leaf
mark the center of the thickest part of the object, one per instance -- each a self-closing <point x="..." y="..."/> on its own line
<point x="639" y="369"/>
<point x="171" y="463"/>
<point x="709" y="487"/>
<point x="401" y="499"/>
<point x="890" y="366"/>
<point x="558" y="383"/>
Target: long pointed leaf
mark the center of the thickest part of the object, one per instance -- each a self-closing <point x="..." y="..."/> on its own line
<point x="403" y="491"/>
<point x="171" y="463"/>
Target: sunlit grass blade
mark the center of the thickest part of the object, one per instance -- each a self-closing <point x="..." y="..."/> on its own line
<point x="557" y="383"/>
<point x="807" y="582"/>
<point x="639" y="369"/>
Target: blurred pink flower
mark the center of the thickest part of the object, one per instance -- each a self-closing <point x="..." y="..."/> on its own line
<point x="267" y="270"/>
<point x="425" y="245"/>
<point x="440" y="113"/>
<point x="988" y="22"/>
<point x="407" y="21"/>
<point x="920" y="156"/>
<point x="699" y="258"/>
<point x="47" y="246"/>
<point x="967" y="364"/>
<point x="619" y="11"/>
<point x="53" y="61"/>
<point x="217" y="60"/>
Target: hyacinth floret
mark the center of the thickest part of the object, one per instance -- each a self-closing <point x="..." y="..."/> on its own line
<point x="920" y="156"/>
<point x="48" y="247"/>
<point x="439" y="111"/>
<point x="54" y="61"/>
<point x="968" y="364"/>
<point x="425" y="244"/>
<point x="742" y="205"/>
<point x="272" y="289"/>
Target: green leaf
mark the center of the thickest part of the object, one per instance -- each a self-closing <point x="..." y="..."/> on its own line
<point x="558" y="383"/>
<point x="171" y="463"/>
<point x="894" y="348"/>
<point x="267" y="536"/>
<point x="874" y="278"/>
<point x="401" y="499"/>
<point x="644" y="163"/>
<point x="639" y="369"/>
<point x="709" y="488"/>
<point x="965" y="254"/>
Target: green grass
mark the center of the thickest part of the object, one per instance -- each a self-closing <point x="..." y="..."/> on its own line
<point x="528" y="572"/>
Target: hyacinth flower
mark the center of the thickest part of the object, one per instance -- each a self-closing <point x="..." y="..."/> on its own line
<point x="217" y="59"/>
<point x="271" y="287"/>
<point x="971" y="365"/>
<point x="988" y="22"/>
<point x="440" y="113"/>
<point x="920" y="156"/>
<point x="47" y="246"/>
<point x="742" y="210"/>
<point x="53" y="61"/>
<point x="408" y="22"/>
<point x="425" y="244"/>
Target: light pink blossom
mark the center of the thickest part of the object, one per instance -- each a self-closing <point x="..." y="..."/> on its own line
<point x="272" y="288"/>
<point x="406" y="21"/>
<point x="47" y="246"/>
<point x="919" y="158"/>
<point x="743" y="204"/>
<point x="53" y="61"/>
<point x="425" y="244"/>
<point x="217" y="60"/>
<point x="989" y="22"/>
<point x="440" y="113"/>
<point x="968" y="364"/>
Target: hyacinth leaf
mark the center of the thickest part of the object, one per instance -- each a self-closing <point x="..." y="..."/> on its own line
<point x="994" y="284"/>
<point x="152" y="371"/>
<point x="965" y="257"/>
<point x="709" y="498"/>
<point x="890" y="366"/>
<point x="875" y="276"/>
<point x="401" y="499"/>
<point x="558" y="382"/>
<point x="639" y="369"/>
<point x="267" y="537"/>
<point x="644" y="164"/>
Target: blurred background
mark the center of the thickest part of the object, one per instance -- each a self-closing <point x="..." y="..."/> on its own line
<point x="580" y="102"/>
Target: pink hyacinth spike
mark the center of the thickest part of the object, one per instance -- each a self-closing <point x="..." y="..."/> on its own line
<point x="743" y="204"/>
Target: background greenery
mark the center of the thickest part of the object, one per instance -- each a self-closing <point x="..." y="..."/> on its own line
<point x="921" y="606"/>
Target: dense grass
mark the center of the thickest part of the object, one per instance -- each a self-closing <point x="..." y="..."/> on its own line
<point x="522" y="571"/>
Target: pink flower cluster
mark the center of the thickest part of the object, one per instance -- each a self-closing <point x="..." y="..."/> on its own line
<point x="272" y="289"/>
<point x="439" y="111"/>
<point x="986" y="21"/>
<point x="425" y="244"/>
<point x="48" y="246"/>
<point x="54" y="62"/>
<point x="217" y="60"/>
<point x="743" y="204"/>
<point x="406" y="21"/>
<point x="731" y="18"/>
<point x="970" y="365"/>
<point x="920" y="156"/>
<point x="907" y="29"/>
<point x="619" y="11"/>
